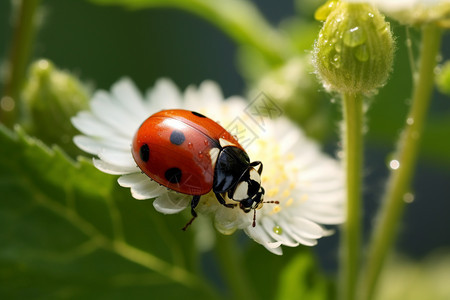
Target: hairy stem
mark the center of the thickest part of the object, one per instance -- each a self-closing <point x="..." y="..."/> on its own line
<point x="351" y="233"/>
<point x="406" y="156"/>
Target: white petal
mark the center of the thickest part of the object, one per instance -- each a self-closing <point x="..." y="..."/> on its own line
<point x="209" y="94"/>
<point x="113" y="169"/>
<point x="147" y="189"/>
<point x="165" y="95"/>
<point x="307" y="229"/>
<point x="259" y="234"/>
<point x="95" y="146"/>
<point x="229" y="219"/>
<point x="117" y="157"/>
<point x="269" y="226"/>
<point x="130" y="180"/>
<point x="290" y="230"/>
<point x="112" y="114"/>
<point x="171" y="202"/>
<point x="90" y="125"/>
<point x="277" y="250"/>
<point x="126" y="92"/>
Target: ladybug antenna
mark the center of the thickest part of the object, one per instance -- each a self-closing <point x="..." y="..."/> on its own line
<point x="273" y="202"/>
<point x="254" y="211"/>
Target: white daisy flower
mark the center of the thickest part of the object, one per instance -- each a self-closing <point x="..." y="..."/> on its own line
<point x="307" y="185"/>
<point x="414" y="12"/>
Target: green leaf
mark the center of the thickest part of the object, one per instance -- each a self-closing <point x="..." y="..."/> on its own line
<point x="300" y="279"/>
<point x="69" y="231"/>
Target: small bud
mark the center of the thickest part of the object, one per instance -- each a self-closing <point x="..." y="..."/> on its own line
<point x="52" y="97"/>
<point x="354" y="51"/>
<point x="443" y="78"/>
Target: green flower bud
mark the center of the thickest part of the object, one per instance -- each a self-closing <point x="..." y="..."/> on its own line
<point x="354" y="51"/>
<point x="443" y="78"/>
<point x="51" y="97"/>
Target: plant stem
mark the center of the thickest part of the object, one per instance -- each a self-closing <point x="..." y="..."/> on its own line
<point x="400" y="179"/>
<point x="24" y="29"/>
<point x="351" y="233"/>
<point x="233" y="268"/>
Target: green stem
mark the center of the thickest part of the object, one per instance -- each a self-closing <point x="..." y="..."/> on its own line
<point x="233" y="268"/>
<point x="351" y="233"/>
<point x="24" y="29"/>
<point x="400" y="179"/>
<point x="239" y="19"/>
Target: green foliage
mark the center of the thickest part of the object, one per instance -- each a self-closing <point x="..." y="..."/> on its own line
<point x="70" y="232"/>
<point x="300" y="279"/>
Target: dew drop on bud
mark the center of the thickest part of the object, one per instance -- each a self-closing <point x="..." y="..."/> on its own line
<point x="362" y="53"/>
<point x="354" y="37"/>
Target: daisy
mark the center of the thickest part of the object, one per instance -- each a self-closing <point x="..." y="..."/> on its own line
<point x="414" y="12"/>
<point x="306" y="184"/>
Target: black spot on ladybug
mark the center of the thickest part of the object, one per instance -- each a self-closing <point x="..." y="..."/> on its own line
<point x="177" y="137"/>
<point x="144" y="153"/>
<point x="173" y="175"/>
<point x="197" y="114"/>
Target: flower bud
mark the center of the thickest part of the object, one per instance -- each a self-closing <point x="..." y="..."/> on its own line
<point x="52" y="97"/>
<point x="354" y="51"/>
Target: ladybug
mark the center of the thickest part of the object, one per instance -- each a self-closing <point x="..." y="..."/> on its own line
<point x="191" y="154"/>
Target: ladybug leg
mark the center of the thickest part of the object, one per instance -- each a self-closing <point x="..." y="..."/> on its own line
<point x="194" y="202"/>
<point x="222" y="201"/>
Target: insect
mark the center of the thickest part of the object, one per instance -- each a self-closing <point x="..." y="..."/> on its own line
<point x="191" y="154"/>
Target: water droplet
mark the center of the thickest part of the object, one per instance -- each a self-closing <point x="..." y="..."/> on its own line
<point x="410" y="121"/>
<point x="336" y="62"/>
<point x="354" y="37"/>
<point x="408" y="197"/>
<point x="200" y="154"/>
<point x="362" y="53"/>
<point x="190" y="146"/>
<point x="278" y="230"/>
<point x="206" y="142"/>
<point x="370" y="15"/>
<point x="394" y="164"/>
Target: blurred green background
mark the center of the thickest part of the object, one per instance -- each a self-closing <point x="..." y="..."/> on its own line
<point x="100" y="44"/>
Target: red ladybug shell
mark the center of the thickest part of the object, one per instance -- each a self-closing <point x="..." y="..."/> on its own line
<point x="173" y="148"/>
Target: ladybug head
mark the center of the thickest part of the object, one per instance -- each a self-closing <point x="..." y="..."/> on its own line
<point x="248" y="190"/>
